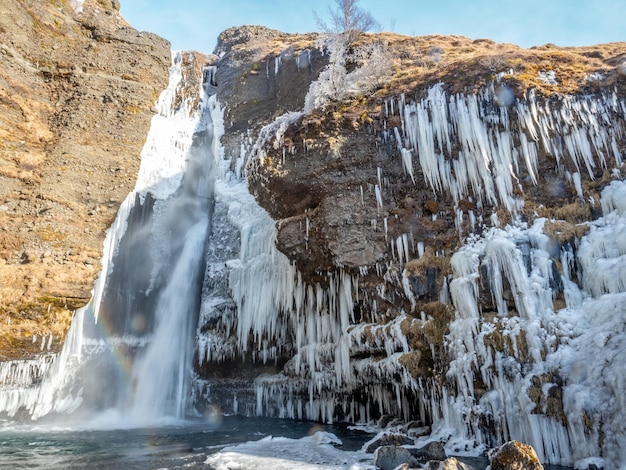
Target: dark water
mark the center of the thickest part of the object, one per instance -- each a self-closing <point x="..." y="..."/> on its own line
<point x="169" y="447"/>
<point x="185" y="446"/>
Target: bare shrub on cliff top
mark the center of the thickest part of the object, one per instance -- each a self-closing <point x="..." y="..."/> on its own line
<point x="373" y="67"/>
<point x="347" y="19"/>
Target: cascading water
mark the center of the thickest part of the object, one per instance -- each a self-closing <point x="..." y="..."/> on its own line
<point x="162" y="372"/>
<point x="136" y="336"/>
<point x="158" y="384"/>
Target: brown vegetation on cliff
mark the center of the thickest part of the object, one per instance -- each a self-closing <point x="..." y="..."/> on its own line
<point x="76" y="91"/>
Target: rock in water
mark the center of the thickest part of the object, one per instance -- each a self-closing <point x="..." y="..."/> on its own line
<point x="431" y="451"/>
<point x="389" y="440"/>
<point x="514" y="455"/>
<point x="390" y="457"/>
<point x="448" y="464"/>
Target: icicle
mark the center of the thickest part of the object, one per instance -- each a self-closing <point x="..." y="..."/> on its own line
<point x="385" y="227"/>
<point x="578" y="185"/>
<point x="379" y="198"/>
<point x="405" y="245"/>
<point x="408" y="163"/>
<point x="400" y="250"/>
<point x="277" y="64"/>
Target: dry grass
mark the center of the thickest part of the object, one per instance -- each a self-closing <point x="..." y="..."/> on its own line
<point x="42" y="319"/>
<point x="563" y="232"/>
<point x="418" y="267"/>
<point x="465" y="66"/>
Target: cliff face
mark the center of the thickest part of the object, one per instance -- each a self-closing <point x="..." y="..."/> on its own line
<point x="77" y="84"/>
<point x="317" y="176"/>
<point x="444" y="216"/>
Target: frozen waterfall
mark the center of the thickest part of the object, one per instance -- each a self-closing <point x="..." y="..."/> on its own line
<point x="197" y="308"/>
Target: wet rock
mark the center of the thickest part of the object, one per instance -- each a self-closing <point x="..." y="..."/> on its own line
<point x="416" y="429"/>
<point x="431" y="451"/>
<point x="449" y="464"/>
<point x="419" y="431"/>
<point x="391" y="457"/>
<point x="514" y="455"/>
<point x="389" y="440"/>
<point x="384" y="420"/>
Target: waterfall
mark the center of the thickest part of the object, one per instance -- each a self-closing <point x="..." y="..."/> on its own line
<point x="162" y="372"/>
<point x="129" y="352"/>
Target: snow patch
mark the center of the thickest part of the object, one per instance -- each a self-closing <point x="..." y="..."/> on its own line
<point x="548" y="77"/>
<point x="77" y="5"/>
<point x="316" y="452"/>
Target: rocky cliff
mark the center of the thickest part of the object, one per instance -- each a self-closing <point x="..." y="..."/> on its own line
<point x="440" y="242"/>
<point x="439" y="206"/>
<point x="320" y="171"/>
<point x="77" y="84"/>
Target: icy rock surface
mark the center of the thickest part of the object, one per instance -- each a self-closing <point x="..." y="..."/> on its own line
<point x="517" y="333"/>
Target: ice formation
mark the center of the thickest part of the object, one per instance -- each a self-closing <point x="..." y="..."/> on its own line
<point x="523" y="357"/>
<point x="468" y="146"/>
<point x="505" y="373"/>
<point x="544" y="365"/>
<point x="280" y="453"/>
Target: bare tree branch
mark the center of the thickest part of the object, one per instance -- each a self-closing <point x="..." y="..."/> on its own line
<point x="348" y="20"/>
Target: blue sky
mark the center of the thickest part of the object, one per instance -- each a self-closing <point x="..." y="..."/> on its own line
<point x="195" y="24"/>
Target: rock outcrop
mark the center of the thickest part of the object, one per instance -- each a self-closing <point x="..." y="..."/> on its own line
<point x="514" y="455"/>
<point x="77" y="85"/>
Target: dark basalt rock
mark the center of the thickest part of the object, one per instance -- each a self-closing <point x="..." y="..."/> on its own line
<point x="390" y="457"/>
<point x="448" y="464"/>
<point x="389" y="440"/>
<point x="431" y="451"/>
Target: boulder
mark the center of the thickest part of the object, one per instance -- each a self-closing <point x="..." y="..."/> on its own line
<point x="514" y="455"/>
<point x="388" y="440"/>
<point x="431" y="451"/>
<point x="449" y="464"/>
<point x="391" y="457"/>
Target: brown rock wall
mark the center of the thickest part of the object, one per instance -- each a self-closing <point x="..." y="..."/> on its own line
<point x="76" y="97"/>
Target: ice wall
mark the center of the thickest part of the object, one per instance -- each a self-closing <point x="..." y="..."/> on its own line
<point x="518" y="293"/>
<point x="506" y="373"/>
<point x="257" y="308"/>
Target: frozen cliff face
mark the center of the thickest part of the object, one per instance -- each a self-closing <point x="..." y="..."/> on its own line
<point x="447" y="251"/>
<point x="440" y="262"/>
